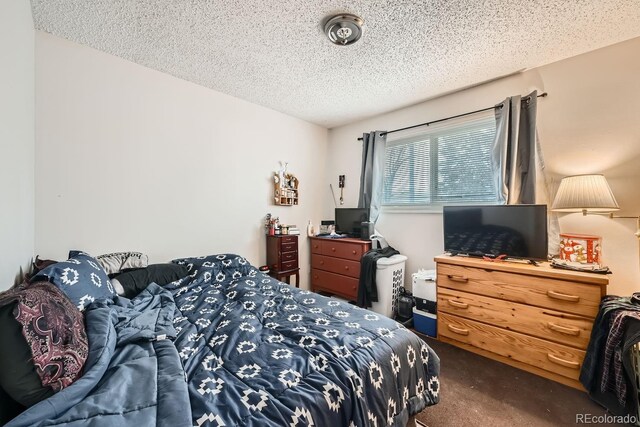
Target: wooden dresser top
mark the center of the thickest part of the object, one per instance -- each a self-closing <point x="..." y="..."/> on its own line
<point x="543" y="269"/>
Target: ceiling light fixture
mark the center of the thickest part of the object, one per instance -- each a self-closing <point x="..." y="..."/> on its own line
<point x="344" y="29"/>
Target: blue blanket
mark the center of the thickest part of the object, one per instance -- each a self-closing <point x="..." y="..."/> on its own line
<point x="230" y="346"/>
<point x="258" y="352"/>
<point x="133" y="374"/>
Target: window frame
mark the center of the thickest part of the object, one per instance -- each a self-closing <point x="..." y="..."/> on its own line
<point x="432" y="133"/>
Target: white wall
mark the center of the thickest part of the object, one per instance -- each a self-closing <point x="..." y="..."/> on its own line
<point x="589" y="123"/>
<point x="129" y="158"/>
<point x="16" y="139"/>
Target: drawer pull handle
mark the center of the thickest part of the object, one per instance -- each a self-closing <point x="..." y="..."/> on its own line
<point x="458" y="304"/>
<point x="567" y="330"/>
<point x="457" y="330"/>
<point x="346" y="267"/>
<point x="461" y="279"/>
<point x="562" y="362"/>
<point x="353" y="252"/>
<point x="321" y="262"/>
<point x="333" y="249"/>
<point x="563" y="297"/>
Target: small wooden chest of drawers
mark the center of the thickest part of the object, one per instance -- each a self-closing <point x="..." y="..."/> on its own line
<point x="282" y="257"/>
<point x="335" y="266"/>
<point x="534" y="318"/>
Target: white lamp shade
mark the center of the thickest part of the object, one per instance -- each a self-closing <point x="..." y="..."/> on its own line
<point x="584" y="192"/>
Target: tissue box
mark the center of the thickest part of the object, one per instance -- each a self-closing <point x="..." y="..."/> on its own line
<point x="581" y="248"/>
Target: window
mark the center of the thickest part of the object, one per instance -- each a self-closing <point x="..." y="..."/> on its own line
<point x="445" y="165"/>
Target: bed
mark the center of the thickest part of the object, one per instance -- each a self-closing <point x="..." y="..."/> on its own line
<point x="230" y="346"/>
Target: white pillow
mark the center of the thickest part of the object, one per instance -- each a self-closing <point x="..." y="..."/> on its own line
<point x="117" y="286"/>
<point x="118" y="261"/>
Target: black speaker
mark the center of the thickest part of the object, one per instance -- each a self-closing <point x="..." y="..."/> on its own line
<point x="405" y="305"/>
<point x="366" y="230"/>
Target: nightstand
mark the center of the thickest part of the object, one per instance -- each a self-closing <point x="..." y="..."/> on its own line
<point x="282" y="257"/>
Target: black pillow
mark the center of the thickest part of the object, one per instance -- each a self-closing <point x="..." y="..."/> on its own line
<point x="136" y="281"/>
<point x="9" y="408"/>
<point x="18" y="376"/>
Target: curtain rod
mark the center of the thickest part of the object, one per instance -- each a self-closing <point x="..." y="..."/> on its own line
<point x="542" y="95"/>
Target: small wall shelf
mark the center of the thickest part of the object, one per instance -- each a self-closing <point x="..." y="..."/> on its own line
<point x="285" y="189"/>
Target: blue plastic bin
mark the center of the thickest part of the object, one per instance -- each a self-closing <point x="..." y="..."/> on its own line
<point x="424" y="322"/>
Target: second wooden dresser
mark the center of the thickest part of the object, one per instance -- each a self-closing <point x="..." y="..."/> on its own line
<point x="335" y="265"/>
<point x="534" y="318"/>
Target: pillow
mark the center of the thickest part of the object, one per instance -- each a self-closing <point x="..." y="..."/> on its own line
<point x="18" y="376"/>
<point x="9" y="408"/>
<point x="80" y="277"/>
<point x="136" y="281"/>
<point x="119" y="261"/>
<point x="44" y="345"/>
<point x="37" y="266"/>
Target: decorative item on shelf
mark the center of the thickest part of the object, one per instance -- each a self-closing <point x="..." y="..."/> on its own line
<point x="272" y="225"/>
<point x="589" y="194"/>
<point x="285" y="192"/>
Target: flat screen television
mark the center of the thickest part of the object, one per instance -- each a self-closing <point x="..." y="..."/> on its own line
<point x="349" y="220"/>
<point x="517" y="231"/>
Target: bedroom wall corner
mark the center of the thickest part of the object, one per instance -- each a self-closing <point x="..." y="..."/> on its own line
<point x="16" y="140"/>
<point x="129" y="158"/>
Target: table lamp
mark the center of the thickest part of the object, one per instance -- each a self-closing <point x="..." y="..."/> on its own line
<point x="589" y="194"/>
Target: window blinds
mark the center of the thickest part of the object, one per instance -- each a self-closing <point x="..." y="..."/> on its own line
<point x="441" y="166"/>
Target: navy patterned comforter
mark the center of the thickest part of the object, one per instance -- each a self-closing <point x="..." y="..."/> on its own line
<point x="259" y="352"/>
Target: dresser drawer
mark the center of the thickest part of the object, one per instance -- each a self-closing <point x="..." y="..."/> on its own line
<point x="341" y="285"/>
<point x="336" y="265"/>
<point x="315" y="247"/>
<point x="351" y="251"/>
<point x="563" y="328"/>
<point x="289" y="246"/>
<point x="288" y="256"/>
<point x="289" y="239"/>
<point x="552" y="357"/>
<point x="568" y="296"/>
<point x="289" y="265"/>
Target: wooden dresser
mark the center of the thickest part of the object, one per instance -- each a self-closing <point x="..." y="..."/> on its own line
<point x="282" y="257"/>
<point x="335" y="265"/>
<point x="537" y="319"/>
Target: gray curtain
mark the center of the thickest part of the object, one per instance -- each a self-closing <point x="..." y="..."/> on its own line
<point x="372" y="173"/>
<point x="543" y="197"/>
<point x="514" y="150"/>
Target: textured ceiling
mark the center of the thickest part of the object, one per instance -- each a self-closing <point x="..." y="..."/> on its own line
<point x="274" y="53"/>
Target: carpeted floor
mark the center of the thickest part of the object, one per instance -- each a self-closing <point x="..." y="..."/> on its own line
<point x="476" y="391"/>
